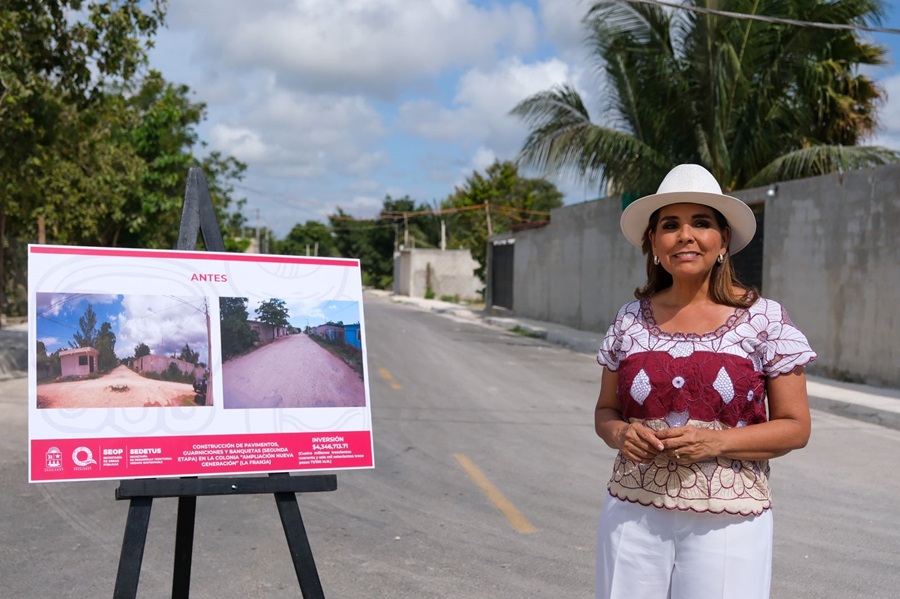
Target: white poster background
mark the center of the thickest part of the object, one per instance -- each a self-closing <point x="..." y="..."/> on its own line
<point x="303" y="284"/>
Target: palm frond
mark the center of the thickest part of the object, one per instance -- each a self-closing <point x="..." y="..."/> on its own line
<point x="821" y="160"/>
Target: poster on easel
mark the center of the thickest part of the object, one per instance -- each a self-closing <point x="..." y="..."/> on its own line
<point x="158" y="363"/>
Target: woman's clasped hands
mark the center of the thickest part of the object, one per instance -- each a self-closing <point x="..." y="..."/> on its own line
<point x="683" y="444"/>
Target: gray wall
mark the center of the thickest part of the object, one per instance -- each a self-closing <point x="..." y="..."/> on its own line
<point x="452" y="273"/>
<point x="579" y="269"/>
<point x="831" y="257"/>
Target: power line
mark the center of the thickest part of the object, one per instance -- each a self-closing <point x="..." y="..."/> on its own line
<point x="779" y="20"/>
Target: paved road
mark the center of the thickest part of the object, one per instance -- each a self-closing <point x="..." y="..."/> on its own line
<point x="464" y="418"/>
<point x="120" y="388"/>
<point x="291" y="372"/>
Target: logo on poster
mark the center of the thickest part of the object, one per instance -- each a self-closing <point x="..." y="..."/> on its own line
<point x="53" y="458"/>
<point x="82" y="456"/>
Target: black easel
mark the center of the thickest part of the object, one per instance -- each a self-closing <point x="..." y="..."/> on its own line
<point x="198" y="213"/>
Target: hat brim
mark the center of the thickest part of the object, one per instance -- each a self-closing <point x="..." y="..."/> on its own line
<point x="740" y="217"/>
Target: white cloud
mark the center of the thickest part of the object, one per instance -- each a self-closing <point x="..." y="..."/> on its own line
<point x="562" y="22"/>
<point x="353" y="45"/>
<point x="240" y="142"/>
<point x="482" y="159"/>
<point x="482" y="103"/>
<point x="889" y="115"/>
<point x="165" y="324"/>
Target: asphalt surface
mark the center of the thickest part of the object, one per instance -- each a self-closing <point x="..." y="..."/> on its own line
<point x="463" y="415"/>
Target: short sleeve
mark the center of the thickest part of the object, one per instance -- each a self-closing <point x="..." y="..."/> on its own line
<point x="786" y="347"/>
<point x="614" y="343"/>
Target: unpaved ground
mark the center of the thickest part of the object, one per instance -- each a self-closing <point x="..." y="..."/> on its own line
<point x="291" y="372"/>
<point x="134" y="391"/>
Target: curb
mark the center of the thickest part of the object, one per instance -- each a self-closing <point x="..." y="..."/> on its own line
<point x="864" y="413"/>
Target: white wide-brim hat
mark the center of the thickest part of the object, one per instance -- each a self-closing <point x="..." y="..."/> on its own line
<point x="690" y="183"/>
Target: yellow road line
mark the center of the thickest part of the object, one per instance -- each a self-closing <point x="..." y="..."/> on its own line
<point x="389" y="378"/>
<point x="518" y="521"/>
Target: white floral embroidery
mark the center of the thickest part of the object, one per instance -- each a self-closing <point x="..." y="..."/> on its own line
<point x="640" y="387"/>
<point x="724" y="386"/>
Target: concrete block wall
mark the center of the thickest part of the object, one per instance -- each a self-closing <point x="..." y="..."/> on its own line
<point x="579" y="269"/>
<point x="452" y="273"/>
<point x="831" y="258"/>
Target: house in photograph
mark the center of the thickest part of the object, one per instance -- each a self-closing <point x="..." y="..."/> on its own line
<point x="160" y="364"/>
<point x="267" y="332"/>
<point x="353" y="335"/>
<point x="80" y="361"/>
<point x="331" y="332"/>
<point x="348" y="334"/>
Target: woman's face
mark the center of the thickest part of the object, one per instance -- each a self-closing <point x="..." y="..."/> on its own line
<point x="688" y="240"/>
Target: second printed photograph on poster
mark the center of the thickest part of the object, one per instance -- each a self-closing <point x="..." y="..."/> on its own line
<point x="277" y="354"/>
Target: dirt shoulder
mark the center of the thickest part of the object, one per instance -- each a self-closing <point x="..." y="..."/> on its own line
<point x="120" y="388"/>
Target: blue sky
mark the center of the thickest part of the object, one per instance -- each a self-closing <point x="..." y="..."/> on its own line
<point x="302" y="314"/>
<point x="336" y="104"/>
<point x="164" y="323"/>
<point x="311" y="312"/>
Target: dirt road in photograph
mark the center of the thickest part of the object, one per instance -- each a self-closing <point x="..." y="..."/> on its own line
<point x="291" y="372"/>
<point x="121" y="388"/>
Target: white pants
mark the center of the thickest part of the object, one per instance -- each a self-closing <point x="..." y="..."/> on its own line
<point x="652" y="553"/>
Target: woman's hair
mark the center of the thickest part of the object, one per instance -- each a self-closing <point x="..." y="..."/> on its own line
<point x="723" y="280"/>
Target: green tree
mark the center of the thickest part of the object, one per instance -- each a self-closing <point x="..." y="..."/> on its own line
<point x="273" y="312"/>
<point x="48" y="366"/>
<point x="313" y="238"/>
<point x="141" y="350"/>
<point x="373" y="242"/>
<point x="106" y="348"/>
<point x="237" y="336"/>
<point x="500" y="198"/>
<point x="754" y="102"/>
<point x="57" y="54"/>
<point x="172" y="373"/>
<point x="94" y="150"/>
<point x="86" y="336"/>
<point x="189" y="355"/>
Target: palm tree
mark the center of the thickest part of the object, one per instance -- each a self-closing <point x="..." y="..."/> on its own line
<point x="755" y="102"/>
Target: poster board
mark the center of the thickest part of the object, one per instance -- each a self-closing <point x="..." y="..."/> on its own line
<point x="156" y="363"/>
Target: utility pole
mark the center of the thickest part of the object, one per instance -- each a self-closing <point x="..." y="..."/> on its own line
<point x="487" y="211"/>
<point x="405" y="231"/>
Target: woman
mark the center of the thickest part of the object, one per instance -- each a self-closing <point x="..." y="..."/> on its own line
<point x="690" y="368"/>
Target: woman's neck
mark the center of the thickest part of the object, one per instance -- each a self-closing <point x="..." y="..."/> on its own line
<point x="685" y="293"/>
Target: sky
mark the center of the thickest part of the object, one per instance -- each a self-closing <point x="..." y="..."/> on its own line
<point x="340" y="103"/>
<point x="164" y="323"/>
<point x="302" y="314"/>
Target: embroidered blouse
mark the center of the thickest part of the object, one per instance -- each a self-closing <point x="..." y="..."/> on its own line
<point x="716" y="380"/>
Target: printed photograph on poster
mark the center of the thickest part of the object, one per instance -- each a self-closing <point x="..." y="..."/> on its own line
<point x="292" y="355"/>
<point x="156" y="363"/>
<point x="117" y="351"/>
